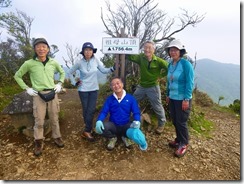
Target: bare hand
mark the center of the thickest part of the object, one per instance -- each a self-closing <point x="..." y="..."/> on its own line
<point x="185" y="105"/>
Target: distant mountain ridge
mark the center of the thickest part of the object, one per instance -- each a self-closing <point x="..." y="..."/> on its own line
<point x="212" y="77"/>
<point x="218" y="79"/>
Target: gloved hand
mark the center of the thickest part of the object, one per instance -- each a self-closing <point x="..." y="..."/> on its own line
<point x="31" y="92"/>
<point x="58" y="88"/>
<point x="138" y="137"/>
<point x="135" y="124"/>
<point x="99" y="127"/>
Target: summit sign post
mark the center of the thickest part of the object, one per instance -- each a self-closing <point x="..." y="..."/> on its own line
<point x="120" y="45"/>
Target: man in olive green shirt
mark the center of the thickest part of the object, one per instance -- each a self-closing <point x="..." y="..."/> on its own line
<point x="152" y="68"/>
<point x="41" y="70"/>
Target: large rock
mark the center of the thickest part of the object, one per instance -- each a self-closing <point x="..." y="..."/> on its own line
<point x="21" y="113"/>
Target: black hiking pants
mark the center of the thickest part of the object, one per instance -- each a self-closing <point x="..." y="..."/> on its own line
<point x="179" y="118"/>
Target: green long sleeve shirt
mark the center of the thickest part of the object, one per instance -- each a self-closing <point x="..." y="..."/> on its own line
<point x="150" y="72"/>
<point x="42" y="77"/>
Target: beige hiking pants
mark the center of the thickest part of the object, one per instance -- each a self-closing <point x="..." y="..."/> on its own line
<point x="39" y="111"/>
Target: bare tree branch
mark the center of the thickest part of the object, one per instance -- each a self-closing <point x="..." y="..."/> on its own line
<point x="72" y="55"/>
<point x="185" y="20"/>
<point x="5" y="3"/>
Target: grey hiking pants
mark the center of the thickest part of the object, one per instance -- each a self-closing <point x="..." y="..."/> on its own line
<point x="154" y="96"/>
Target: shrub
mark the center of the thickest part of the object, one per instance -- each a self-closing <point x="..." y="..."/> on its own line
<point x="202" y="99"/>
<point x="236" y="106"/>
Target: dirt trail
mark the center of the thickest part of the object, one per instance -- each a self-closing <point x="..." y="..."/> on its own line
<point x="207" y="159"/>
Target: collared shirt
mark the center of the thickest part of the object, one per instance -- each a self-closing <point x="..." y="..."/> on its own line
<point x="120" y="99"/>
<point x="41" y="76"/>
<point x="88" y="73"/>
<point x="151" y="71"/>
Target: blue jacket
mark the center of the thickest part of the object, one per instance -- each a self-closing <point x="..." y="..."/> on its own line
<point x="88" y="73"/>
<point x="180" y="80"/>
<point x="120" y="112"/>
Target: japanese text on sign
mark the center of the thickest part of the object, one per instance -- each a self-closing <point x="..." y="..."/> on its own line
<point x="120" y="46"/>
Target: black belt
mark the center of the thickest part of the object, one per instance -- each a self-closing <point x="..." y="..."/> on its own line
<point x="47" y="89"/>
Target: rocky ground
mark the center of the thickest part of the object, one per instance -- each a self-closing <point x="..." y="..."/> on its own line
<point x="216" y="158"/>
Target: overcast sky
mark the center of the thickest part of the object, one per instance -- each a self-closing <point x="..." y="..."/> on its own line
<point x="217" y="37"/>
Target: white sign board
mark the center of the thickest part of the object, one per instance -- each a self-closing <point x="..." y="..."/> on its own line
<point x="120" y="46"/>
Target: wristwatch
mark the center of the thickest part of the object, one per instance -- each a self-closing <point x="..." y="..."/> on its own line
<point x="186" y="99"/>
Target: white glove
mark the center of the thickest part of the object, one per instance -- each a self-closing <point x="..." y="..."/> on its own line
<point x="31" y="92"/>
<point x="135" y="124"/>
<point x="58" y="88"/>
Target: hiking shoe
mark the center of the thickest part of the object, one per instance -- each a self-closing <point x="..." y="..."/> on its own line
<point x="38" y="147"/>
<point x="88" y="136"/>
<point x="173" y="144"/>
<point x="112" y="143"/>
<point x="127" y="141"/>
<point x="181" y="150"/>
<point x="160" y="129"/>
<point x="59" y="142"/>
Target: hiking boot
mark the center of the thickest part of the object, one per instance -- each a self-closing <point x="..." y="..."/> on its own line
<point x="88" y="136"/>
<point x="111" y="144"/>
<point x="173" y="144"/>
<point x="181" y="150"/>
<point x="160" y="129"/>
<point x="38" y="147"/>
<point x="128" y="142"/>
<point x="59" y="142"/>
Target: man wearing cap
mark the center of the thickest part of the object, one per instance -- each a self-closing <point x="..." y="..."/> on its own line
<point x="152" y="68"/>
<point x="41" y="69"/>
<point x="87" y="84"/>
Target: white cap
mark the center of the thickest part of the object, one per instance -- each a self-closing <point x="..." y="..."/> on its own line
<point x="177" y="44"/>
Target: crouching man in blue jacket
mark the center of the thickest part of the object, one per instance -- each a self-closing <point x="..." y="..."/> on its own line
<point x="120" y="106"/>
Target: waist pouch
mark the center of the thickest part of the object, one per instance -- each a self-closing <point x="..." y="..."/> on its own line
<point x="48" y="96"/>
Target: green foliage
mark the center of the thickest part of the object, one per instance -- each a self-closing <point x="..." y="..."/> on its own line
<point x="131" y="83"/>
<point x="108" y="60"/>
<point x="6" y="94"/>
<point x="199" y="124"/>
<point x="104" y="92"/>
<point x="21" y="128"/>
<point x="61" y="114"/>
<point x="202" y="99"/>
<point x="17" y="48"/>
<point x="68" y="85"/>
<point x="236" y="106"/>
<point x="221" y="98"/>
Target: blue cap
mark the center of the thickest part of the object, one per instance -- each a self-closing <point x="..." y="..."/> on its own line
<point x="88" y="45"/>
